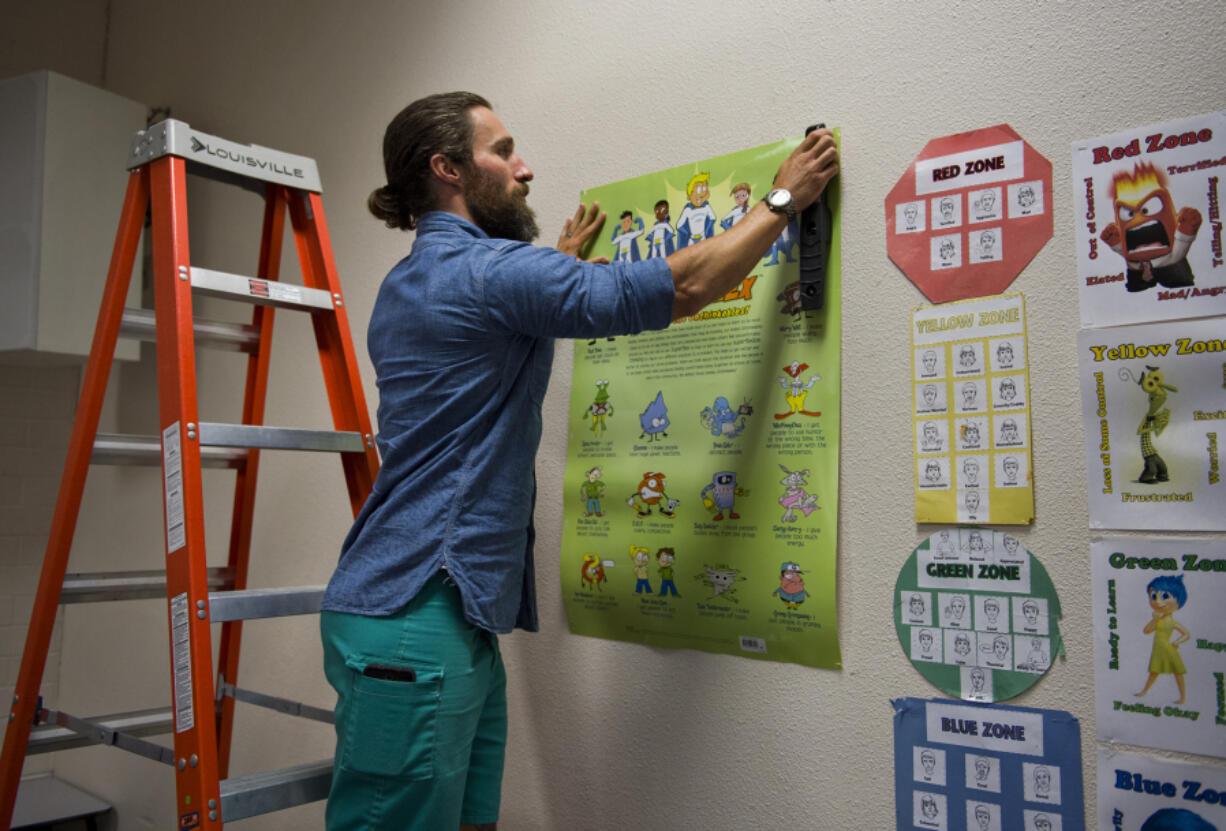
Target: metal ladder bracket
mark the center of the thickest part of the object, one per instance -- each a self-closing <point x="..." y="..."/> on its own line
<point x="273" y="702"/>
<point x="176" y="138"/>
<point x="102" y="733"/>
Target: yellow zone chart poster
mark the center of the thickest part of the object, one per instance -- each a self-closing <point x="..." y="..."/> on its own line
<point x="971" y="412"/>
<point x="701" y="493"/>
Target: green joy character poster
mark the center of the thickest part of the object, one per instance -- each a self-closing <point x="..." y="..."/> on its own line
<point x="701" y="490"/>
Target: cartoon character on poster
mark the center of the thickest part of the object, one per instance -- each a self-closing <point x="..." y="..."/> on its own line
<point x="625" y="238"/>
<point x="591" y="490"/>
<point x="1177" y="819"/>
<point x="600" y="408"/>
<point x="795" y="497"/>
<point x="1156" y="419"/>
<point x="791" y="585"/>
<point x="959" y="646"/>
<point x="660" y="237"/>
<point x="697" y="219"/>
<point x="664" y="560"/>
<point x="796" y="389"/>
<point x="720" y="495"/>
<point x="651" y="494"/>
<point x="1009" y="434"/>
<point x="1166" y="596"/>
<point x="918" y="609"/>
<point x="721" y="419"/>
<point x="740" y="194"/>
<point x="931" y="439"/>
<point x="785" y="245"/>
<point x="654" y="419"/>
<point x="1147" y="232"/>
<point x="721" y="579"/>
<point x="929" y="811"/>
<point x="955" y="612"/>
<point x="790" y="298"/>
<point x="591" y="573"/>
<point x="931" y="765"/>
<point x="1037" y="658"/>
<point x="641" y="558"/>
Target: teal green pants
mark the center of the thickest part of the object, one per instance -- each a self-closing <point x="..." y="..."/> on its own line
<point x="421" y="716"/>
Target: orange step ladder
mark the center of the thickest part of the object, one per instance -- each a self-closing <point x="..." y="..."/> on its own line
<point x="201" y="714"/>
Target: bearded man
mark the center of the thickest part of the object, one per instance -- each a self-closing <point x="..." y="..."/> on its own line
<point x="439" y="560"/>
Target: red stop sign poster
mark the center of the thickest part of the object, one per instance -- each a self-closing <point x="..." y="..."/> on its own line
<point x="969" y="214"/>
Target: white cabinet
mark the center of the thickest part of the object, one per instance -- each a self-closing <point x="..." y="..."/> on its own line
<point x="63" y="150"/>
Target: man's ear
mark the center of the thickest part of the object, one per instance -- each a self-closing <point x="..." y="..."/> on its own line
<point x="446" y="170"/>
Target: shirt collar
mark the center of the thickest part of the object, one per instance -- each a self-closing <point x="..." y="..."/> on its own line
<point x="447" y="221"/>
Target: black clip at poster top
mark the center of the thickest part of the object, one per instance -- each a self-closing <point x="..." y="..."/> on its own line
<point x="814" y="249"/>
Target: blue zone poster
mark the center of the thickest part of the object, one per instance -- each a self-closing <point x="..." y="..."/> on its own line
<point x="977" y="767"/>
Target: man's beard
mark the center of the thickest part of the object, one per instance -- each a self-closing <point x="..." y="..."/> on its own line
<point x="500" y="214"/>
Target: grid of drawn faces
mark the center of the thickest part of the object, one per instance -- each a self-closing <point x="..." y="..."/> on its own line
<point x="981" y="212"/>
<point x="982" y="783"/>
<point x="971" y="429"/>
<point x="978" y="631"/>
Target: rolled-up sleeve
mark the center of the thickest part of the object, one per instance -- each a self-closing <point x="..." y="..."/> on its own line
<point x="545" y="293"/>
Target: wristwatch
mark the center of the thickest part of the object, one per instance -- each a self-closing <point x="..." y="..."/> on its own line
<point x="780" y="201"/>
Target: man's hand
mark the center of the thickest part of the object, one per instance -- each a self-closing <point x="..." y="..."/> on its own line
<point x="707" y="271"/>
<point x="812" y="165"/>
<point x="579" y="229"/>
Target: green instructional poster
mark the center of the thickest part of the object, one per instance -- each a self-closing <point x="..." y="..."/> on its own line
<point x="977" y="614"/>
<point x="701" y="494"/>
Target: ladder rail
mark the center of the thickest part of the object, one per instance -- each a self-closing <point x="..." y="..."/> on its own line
<point x="195" y="740"/>
<point x="332" y="335"/>
<point x="72" y="486"/>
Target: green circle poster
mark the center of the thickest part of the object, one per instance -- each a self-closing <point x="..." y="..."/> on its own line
<point x="977" y="614"/>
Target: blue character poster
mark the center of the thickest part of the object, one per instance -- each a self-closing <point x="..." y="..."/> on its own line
<point x="976" y="767"/>
<point x="1141" y="793"/>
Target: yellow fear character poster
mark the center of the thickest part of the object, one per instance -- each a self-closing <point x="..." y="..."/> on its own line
<point x="971" y="412"/>
<point x="701" y="493"/>
<point x="1153" y="401"/>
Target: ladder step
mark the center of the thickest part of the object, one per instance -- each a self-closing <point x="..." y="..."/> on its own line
<point x="117" y="449"/>
<point x="141" y="324"/>
<point x="264" y="292"/>
<point x="273" y="790"/>
<point x="213" y="434"/>
<point x="127" y="585"/>
<point x="223" y="445"/>
<point x="248" y="604"/>
<point x="45" y="738"/>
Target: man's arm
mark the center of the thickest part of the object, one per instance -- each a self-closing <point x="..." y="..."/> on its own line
<point x="703" y="273"/>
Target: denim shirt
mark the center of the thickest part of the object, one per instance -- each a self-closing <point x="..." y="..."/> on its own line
<point x="461" y="338"/>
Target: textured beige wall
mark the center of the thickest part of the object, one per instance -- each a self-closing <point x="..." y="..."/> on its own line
<point x="603" y="734"/>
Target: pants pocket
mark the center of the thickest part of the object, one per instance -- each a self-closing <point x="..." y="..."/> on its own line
<point x="391" y="726"/>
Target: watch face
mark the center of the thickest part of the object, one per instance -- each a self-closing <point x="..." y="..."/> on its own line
<point x="778" y="198"/>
